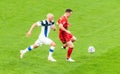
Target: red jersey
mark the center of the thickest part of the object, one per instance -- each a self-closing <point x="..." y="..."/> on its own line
<point x="64" y="37"/>
<point x="63" y="20"/>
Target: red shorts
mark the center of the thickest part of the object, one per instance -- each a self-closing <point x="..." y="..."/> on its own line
<point x="65" y="37"/>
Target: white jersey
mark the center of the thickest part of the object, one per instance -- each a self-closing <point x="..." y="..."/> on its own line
<point x="45" y="27"/>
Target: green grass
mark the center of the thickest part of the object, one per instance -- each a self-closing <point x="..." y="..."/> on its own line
<point x="94" y="22"/>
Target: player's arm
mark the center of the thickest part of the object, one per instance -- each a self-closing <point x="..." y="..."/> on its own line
<point x="62" y="28"/>
<point x="53" y="27"/>
<point x="31" y="29"/>
<point x="69" y="24"/>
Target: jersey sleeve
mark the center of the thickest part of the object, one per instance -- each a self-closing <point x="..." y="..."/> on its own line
<point x="53" y="22"/>
<point x="61" y="21"/>
<point x="39" y="23"/>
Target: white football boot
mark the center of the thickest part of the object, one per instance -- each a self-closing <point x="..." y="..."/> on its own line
<point x="51" y="59"/>
<point x="62" y="47"/>
<point x="22" y="53"/>
<point x="70" y="60"/>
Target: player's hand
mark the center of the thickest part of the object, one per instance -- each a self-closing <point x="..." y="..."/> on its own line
<point x="53" y="28"/>
<point x="28" y="34"/>
<point x="68" y="31"/>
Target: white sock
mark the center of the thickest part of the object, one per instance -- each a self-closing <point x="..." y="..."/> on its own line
<point x="28" y="49"/>
<point x="51" y="51"/>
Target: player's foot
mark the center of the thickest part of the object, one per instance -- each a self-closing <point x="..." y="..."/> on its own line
<point x="63" y="47"/>
<point x="51" y="59"/>
<point x="70" y="60"/>
<point x="22" y="53"/>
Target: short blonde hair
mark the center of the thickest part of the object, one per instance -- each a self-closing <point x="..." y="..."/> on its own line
<point x="49" y="15"/>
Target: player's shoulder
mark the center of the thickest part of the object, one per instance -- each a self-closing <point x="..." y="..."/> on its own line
<point x="52" y="21"/>
<point x="62" y="18"/>
<point x="43" y="21"/>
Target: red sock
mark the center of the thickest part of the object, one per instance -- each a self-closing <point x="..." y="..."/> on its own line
<point x="69" y="52"/>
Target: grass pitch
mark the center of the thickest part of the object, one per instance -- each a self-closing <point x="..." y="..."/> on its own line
<point x="94" y="22"/>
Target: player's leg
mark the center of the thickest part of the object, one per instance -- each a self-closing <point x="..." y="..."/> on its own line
<point x="62" y="39"/>
<point x="70" y="49"/>
<point x="22" y="52"/>
<point x="51" y="51"/>
<point x="66" y="38"/>
<point x="52" y="44"/>
<point x="73" y="39"/>
<point x="64" y="46"/>
<point x="29" y="48"/>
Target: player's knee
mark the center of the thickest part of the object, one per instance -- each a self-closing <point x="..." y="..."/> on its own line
<point x="73" y="39"/>
<point x="72" y="46"/>
<point x="53" y="44"/>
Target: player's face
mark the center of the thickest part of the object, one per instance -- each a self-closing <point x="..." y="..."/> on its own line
<point x="69" y="14"/>
<point x="50" y="18"/>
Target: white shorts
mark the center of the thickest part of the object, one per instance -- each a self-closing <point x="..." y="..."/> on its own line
<point x="43" y="40"/>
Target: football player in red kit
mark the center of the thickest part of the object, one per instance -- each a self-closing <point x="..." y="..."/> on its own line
<point x="65" y="35"/>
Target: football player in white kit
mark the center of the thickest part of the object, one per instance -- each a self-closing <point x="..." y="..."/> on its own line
<point x="46" y="25"/>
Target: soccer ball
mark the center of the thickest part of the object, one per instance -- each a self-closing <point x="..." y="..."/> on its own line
<point x="91" y="49"/>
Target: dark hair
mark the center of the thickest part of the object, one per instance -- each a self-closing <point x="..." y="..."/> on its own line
<point x="68" y="10"/>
